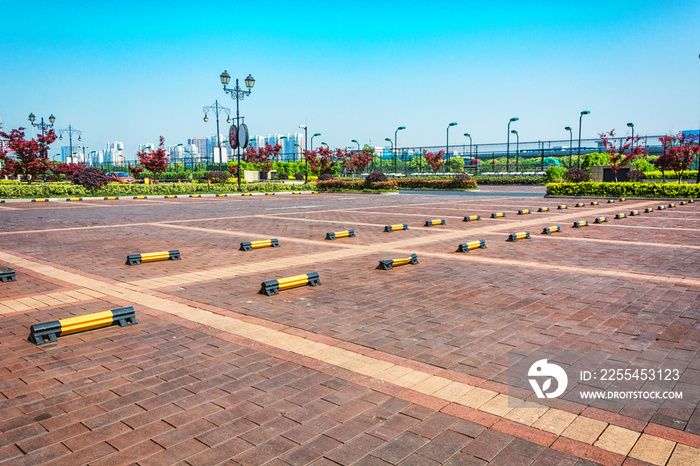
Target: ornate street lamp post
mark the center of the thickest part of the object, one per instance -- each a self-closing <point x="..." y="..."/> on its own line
<point x="42" y="125"/>
<point x="70" y="130"/>
<point x="217" y="109"/>
<point x="238" y="94"/>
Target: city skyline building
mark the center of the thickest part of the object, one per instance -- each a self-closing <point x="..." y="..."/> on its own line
<point x="289" y="151"/>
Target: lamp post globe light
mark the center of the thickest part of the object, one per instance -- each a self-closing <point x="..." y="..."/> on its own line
<point x="571" y="138"/>
<point x="508" y="144"/>
<point x="447" y="146"/>
<point x="70" y="130"/>
<point x="238" y="94"/>
<point x="517" y="149"/>
<point x="400" y="128"/>
<point x="585" y="112"/>
<point x="217" y="109"/>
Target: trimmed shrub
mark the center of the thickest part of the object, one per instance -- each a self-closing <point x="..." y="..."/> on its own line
<point x="50" y="178"/>
<point x="625" y="189"/>
<point x="644" y="165"/>
<point x="90" y="178"/>
<point x="282" y="176"/>
<point x="554" y="173"/>
<point x="298" y="176"/>
<point x="504" y="180"/>
<point x="635" y="175"/>
<point x="576" y="175"/>
<point x="325" y="177"/>
<point x="375" y="177"/>
<point x="215" y="177"/>
<point x="657" y="175"/>
<point x="462" y="176"/>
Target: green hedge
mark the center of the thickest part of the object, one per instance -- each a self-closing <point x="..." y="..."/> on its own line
<point x="624" y="189"/>
<point x="657" y="175"/>
<point x="393" y="185"/>
<point x="47" y="190"/>
<point x="485" y="180"/>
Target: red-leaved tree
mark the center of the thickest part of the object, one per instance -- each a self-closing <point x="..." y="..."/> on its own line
<point x="623" y="153"/>
<point x="154" y="160"/>
<point x="434" y="159"/>
<point x="135" y="170"/>
<point x="323" y="161"/>
<point x="679" y="153"/>
<point x="263" y="156"/>
<point x="67" y="169"/>
<point x="357" y="162"/>
<point x="31" y="155"/>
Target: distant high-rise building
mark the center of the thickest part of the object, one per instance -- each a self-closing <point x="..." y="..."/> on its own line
<point x="289" y="151"/>
<point x="114" y="154"/>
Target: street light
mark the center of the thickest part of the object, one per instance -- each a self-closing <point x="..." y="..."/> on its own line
<point x="571" y="139"/>
<point x="470" y="143"/>
<point x="238" y="94"/>
<point x="217" y="109"/>
<point x="312" y="140"/>
<point x="395" y="145"/>
<point x="70" y="130"/>
<point x="278" y="141"/>
<point x="585" y="112"/>
<point x="517" y="149"/>
<point x="508" y="144"/>
<point x="392" y="150"/>
<point x="324" y="144"/>
<point x="447" y="145"/>
<point x="42" y="125"/>
<point x="306" y="161"/>
<point x="631" y="125"/>
<point x="358" y="144"/>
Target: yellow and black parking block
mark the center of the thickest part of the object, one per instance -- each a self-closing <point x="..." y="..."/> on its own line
<point x="195" y="195"/>
<point x="296" y="193"/>
<point x="611" y="201"/>
<point x="170" y="196"/>
<point x="648" y="210"/>
<point x="634" y="213"/>
<point x="562" y="207"/>
<point x="594" y="203"/>
<point x="73" y="199"/>
<point x="622" y="199"/>
<point x="580" y="204"/>
<point x="247" y="194"/>
<point x="472" y="218"/>
<point x="401" y="226"/>
<point x="518" y="236"/>
<point x="222" y="195"/>
<point x="550" y="230"/>
<point x="661" y="207"/>
<point x="466" y="247"/>
<point x="314" y="192"/>
<point x="601" y="220"/>
<point x="271" y="287"/>
<point x="7" y="275"/>
<point x="672" y="205"/>
<point x="690" y="201"/>
<point x="140" y="197"/>
<point x="50" y="331"/>
<point x="391" y="263"/>
<point x="40" y="200"/>
<point x="430" y="223"/>
<point x="269" y="194"/>
<point x="683" y="203"/>
<point x="340" y="234"/>
<point x="498" y="214"/>
<point x="524" y="212"/>
<point x="580" y="224"/>
<point x="110" y="198"/>
<point x="136" y="259"/>
<point x="543" y="209"/>
<point x="619" y="216"/>
<point x="267" y="243"/>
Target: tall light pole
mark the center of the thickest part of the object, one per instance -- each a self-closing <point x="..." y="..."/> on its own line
<point x="278" y="141"/>
<point x="358" y="144"/>
<point x="216" y="108"/>
<point x="585" y="112"/>
<point x="392" y="150"/>
<point x="470" y="143"/>
<point x="70" y="130"/>
<point x="571" y="139"/>
<point x="238" y="94"/>
<point x="508" y="144"/>
<point x="312" y="140"/>
<point x="631" y="125"/>
<point x="306" y="161"/>
<point x="395" y="145"/>
<point x="517" y="149"/>
<point x="447" y="146"/>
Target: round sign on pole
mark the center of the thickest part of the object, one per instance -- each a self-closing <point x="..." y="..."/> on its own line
<point x="233" y="136"/>
<point x="243" y="136"/>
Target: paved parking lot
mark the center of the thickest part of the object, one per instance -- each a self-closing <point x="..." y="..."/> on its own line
<point x="408" y="366"/>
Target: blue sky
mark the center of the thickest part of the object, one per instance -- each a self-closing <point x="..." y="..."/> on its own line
<point x="132" y="71"/>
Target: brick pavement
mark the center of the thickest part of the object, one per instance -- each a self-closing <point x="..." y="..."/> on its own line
<point x="373" y="367"/>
